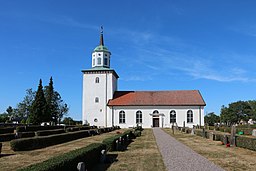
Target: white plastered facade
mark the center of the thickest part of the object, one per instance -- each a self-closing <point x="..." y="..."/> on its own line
<point x="99" y="86"/>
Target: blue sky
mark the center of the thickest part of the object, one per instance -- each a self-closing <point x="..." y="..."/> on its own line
<point x="155" y="45"/>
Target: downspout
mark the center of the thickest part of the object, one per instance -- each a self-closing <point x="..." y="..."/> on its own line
<point x="112" y="116"/>
<point x="106" y="101"/>
<point x="200" y="116"/>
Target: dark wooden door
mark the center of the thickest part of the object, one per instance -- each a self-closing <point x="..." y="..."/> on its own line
<point x="155" y="122"/>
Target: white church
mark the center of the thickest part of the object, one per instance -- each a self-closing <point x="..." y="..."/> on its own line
<point x="104" y="106"/>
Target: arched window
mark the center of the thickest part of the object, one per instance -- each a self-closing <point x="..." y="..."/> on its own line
<point x="93" y="62"/>
<point x="99" y="61"/>
<point x="189" y="116"/>
<point x="155" y="112"/>
<point x="138" y="116"/>
<point x="121" y="117"/>
<point x="173" y="116"/>
<point x="96" y="100"/>
<point x="105" y="61"/>
<point x="97" y="80"/>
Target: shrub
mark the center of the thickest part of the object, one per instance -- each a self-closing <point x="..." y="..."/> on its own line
<point x="68" y="161"/>
<point x="247" y="131"/>
<point x="36" y="128"/>
<point x="24" y="144"/>
<point x="7" y="137"/>
<point x="72" y="129"/>
<point x="246" y="142"/>
<point x="86" y="128"/>
<point x="7" y="130"/>
<point x="27" y="134"/>
<point x="50" y="132"/>
<point x="111" y="142"/>
<point x="199" y="132"/>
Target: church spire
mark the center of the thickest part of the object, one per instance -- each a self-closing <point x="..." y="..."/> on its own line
<point x="101" y="36"/>
<point x="101" y="54"/>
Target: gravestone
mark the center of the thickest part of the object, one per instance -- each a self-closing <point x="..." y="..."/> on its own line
<point x="81" y="166"/>
<point x="203" y="133"/>
<point x="103" y="156"/>
<point x="233" y="136"/>
<point x="225" y="139"/>
<point x="254" y="132"/>
<point x="193" y="131"/>
<point x="212" y="136"/>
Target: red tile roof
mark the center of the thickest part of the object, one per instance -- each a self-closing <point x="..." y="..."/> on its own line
<point x="157" y="98"/>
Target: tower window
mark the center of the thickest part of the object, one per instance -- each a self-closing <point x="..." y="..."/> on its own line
<point x="189" y="116"/>
<point x="173" y="116"/>
<point x="121" y="117"/>
<point x="93" y="62"/>
<point x="97" y="80"/>
<point x="99" y="61"/>
<point x="139" y="117"/>
<point x="105" y="61"/>
<point x="96" y="100"/>
<point x="99" y="54"/>
<point x="106" y="55"/>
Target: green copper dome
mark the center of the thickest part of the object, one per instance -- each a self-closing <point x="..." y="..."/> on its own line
<point x="101" y="48"/>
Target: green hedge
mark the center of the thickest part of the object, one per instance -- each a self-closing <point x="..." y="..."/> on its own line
<point x="72" y="129"/>
<point x="111" y="141"/>
<point x="7" y="137"/>
<point x="50" y="132"/>
<point x="7" y="130"/>
<point x="68" y="161"/>
<point x="246" y="142"/>
<point x="24" y="144"/>
<point x="27" y="134"/>
<point x="36" y="128"/>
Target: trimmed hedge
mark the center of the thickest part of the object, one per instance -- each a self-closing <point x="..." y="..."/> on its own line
<point x="36" y="128"/>
<point x="246" y="142"/>
<point x="7" y="137"/>
<point x="27" y="134"/>
<point x="111" y="142"/>
<point x="72" y="129"/>
<point x="68" y="161"/>
<point x="45" y="141"/>
<point x="50" y="132"/>
<point x="7" y="130"/>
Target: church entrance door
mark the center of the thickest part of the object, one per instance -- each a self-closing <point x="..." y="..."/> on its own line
<point x="155" y="122"/>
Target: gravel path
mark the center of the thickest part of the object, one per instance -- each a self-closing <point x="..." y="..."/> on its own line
<point x="177" y="156"/>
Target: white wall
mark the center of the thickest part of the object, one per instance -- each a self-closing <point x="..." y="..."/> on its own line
<point x="104" y="90"/>
<point x="164" y="120"/>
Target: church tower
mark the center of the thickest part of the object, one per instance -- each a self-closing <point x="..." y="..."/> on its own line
<point x="99" y="85"/>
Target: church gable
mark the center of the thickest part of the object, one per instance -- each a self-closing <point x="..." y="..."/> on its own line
<point x="157" y="98"/>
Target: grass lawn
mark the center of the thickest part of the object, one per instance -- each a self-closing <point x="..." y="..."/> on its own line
<point x="142" y="154"/>
<point x="233" y="158"/>
<point x="11" y="160"/>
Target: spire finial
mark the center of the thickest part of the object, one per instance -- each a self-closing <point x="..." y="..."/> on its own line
<point x="101" y="36"/>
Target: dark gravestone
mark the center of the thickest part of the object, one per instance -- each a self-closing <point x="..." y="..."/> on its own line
<point x="81" y="166"/>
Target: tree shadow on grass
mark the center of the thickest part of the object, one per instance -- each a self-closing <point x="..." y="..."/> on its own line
<point x="110" y="158"/>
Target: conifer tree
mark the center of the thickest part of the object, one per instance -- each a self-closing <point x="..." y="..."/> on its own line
<point x="39" y="111"/>
<point x="51" y="101"/>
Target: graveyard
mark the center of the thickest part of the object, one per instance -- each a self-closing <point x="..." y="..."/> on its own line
<point x="138" y="152"/>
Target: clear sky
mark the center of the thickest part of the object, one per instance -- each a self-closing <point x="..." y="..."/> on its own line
<point x="155" y="45"/>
